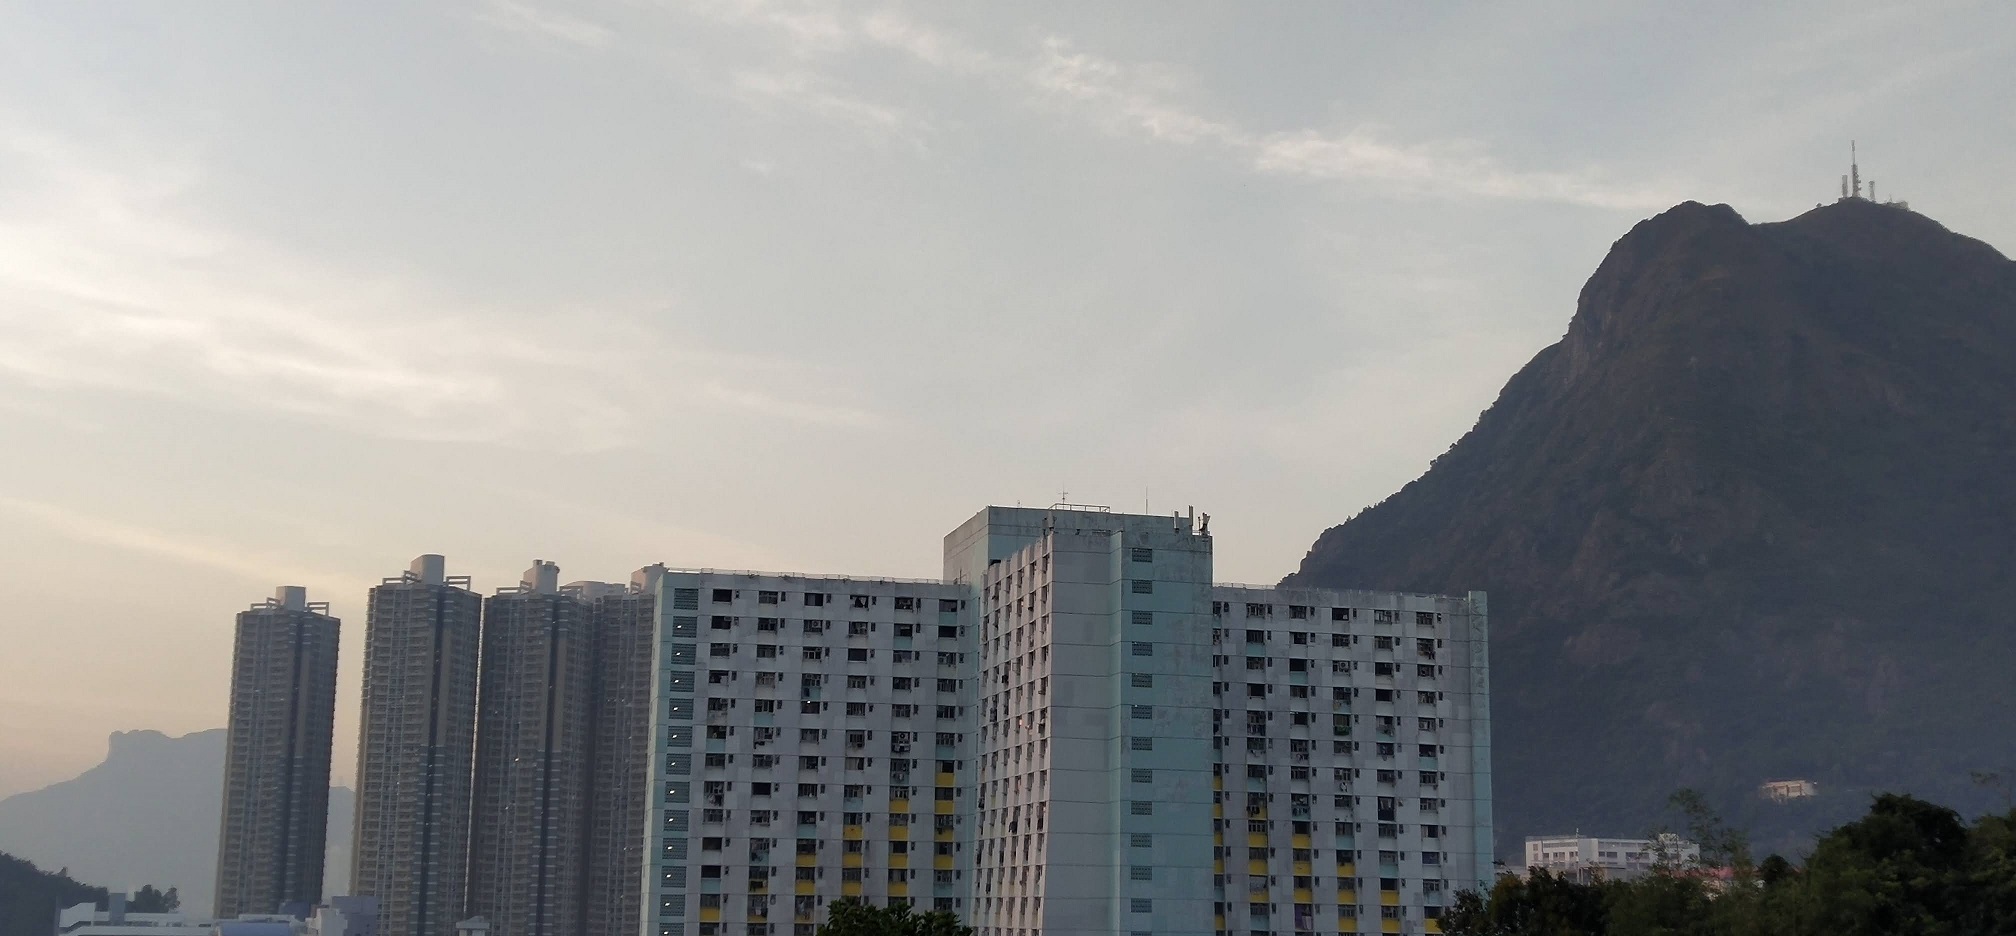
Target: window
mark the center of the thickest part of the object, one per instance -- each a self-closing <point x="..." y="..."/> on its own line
<point x="720" y="649"/>
<point x="1142" y="807"/>
<point x="1142" y="711"/>
<point x="1142" y="775"/>
<point x="815" y="599"/>
<point x="948" y="685"/>
<point x="685" y="599"/>
<point x="766" y="651"/>
<point x="858" y="628"/>
<point x="1141" y="905"/>
<point x="724" y="595"/>
<point x="948" y="711"/>
<point x="766" y="597"/>
<point x="1142" y="554"/>
<point x="858" y="654"/>
<point x="1144" y="586"/>
<point x="722" y="622"/>
<point x="1141" y="873"/>
<point x="1144" y="680"/>
<point x="948" y="631"/>
<point x="1143" y="648"/>
<point x="1142" y="744"/>
<point x="1141" y="840"/>
<point x="906" y="603"/>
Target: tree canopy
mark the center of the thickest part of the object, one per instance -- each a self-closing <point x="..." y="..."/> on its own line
<point x="1907" y="868"/>
<point x="850" y="917"/>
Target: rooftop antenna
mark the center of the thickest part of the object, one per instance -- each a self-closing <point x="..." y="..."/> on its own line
<point x="1872" y="189"/>
<point x="1854" y="169"/>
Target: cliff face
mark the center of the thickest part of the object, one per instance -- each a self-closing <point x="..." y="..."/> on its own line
<point x="1753" y="517"/>
<point x="148" y="815"/>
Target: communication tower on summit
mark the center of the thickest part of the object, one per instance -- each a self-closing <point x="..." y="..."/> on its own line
<point x="1854" y="169"/>
<point x="1851" y="184"/>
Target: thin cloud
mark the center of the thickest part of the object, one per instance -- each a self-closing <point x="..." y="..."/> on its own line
<point x="814" y="93"/>
<point x="1118" y="97"/>
<point x="528" y="20"/>
<point x="1136" y="99"/>
<point x="104" y="284"/>
<point x="95" y="530"/>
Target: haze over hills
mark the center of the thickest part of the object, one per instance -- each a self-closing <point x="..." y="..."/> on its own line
<point x="1752" y="518"/>
<point x="148" y="814"/>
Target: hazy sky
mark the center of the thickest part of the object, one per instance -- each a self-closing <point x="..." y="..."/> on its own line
<point x="293" y="292"/>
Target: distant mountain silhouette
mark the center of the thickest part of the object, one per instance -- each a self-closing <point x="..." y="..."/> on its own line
<point x="147" y="815"/>
<point x="1752" y="518"/>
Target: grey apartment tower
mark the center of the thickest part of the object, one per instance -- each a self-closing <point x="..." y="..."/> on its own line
<point x="414" y="748"/>
<point x="276" y="773"/>
<point x="532" y="745"/>
<point x="624" y="623"/>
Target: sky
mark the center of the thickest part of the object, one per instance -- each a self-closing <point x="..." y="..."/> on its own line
<point x="290" y="293"/>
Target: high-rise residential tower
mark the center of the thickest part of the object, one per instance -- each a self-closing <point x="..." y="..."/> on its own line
<point x="414" y="748"/>
<point x="813" y="742"/>
<point x="1117" y="745"/>
<point x="532" y="744"/>
<point x="622" y="622"/>
<point x="276" y="763"/>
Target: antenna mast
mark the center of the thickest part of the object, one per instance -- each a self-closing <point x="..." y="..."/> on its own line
<point x="1854" y="169"/>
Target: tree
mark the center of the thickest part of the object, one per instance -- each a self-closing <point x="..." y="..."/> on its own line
<point x="150" y="900"/>
<point x="852" y="917"/>
<point x="1542" y="904"/>
<point x="30" y="896"/>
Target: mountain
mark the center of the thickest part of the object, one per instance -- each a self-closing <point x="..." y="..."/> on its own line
<point x="1753" y="517"/>
<point x="148" y="814"/>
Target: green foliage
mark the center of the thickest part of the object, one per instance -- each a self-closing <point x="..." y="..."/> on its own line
<point x="852" y="917"/>
<point x="150" y="900"/>
<point x="1906" y="868"/>
<point x="30" y="897"/>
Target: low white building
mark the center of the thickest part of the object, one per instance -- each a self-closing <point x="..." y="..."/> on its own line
<point x="1588" y="858"/>
<point x="1782" y="791"/>
<point x="341" y="916"/>
<point x="86" y="919"/>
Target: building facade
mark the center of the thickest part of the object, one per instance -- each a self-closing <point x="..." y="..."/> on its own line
<point x="623" y="625"/>
<point x="1586" y="858"/>
<point x="812" y="741"/>
<point x="1354" y="758"/>
<point x="415" y="743"/>
<point x="529" y="804"/>
<point x="1115" y="744"/>
<point x="276" y="764"/>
